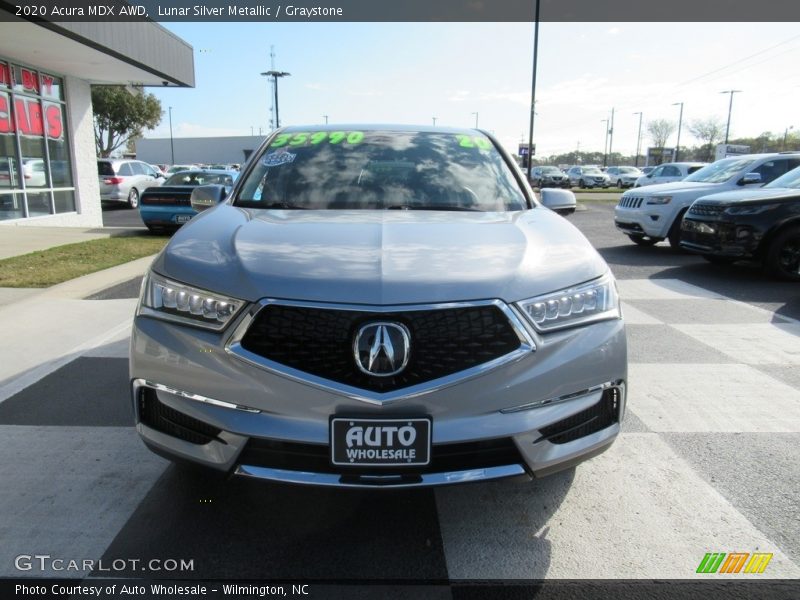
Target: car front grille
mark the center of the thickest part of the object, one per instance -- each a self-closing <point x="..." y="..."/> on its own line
<point x="706" y="209"/>
<point x="320" y="341"/>
<point x="166" y="200"/>
<point x="595" y="418"/>
<point x="316" y="458"/>
<point x="630" y="201"/>
<point x="157" y="415"/>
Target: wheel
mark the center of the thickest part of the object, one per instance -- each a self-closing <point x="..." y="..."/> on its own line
<point x="674" y="235"/>
<point x="539" y="183"/>
<point x="642" y="240"/>
<point x="133" y="198"/>
<point x="719" y="260"/>
<point x="783" y="256"/>
<point x="581" y="184"/>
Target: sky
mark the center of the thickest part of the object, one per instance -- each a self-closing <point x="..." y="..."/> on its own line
<point x="412" y="72"/>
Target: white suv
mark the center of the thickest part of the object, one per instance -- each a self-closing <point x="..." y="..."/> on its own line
<point x="651" y="214"/>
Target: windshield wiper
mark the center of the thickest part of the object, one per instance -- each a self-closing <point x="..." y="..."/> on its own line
<point x="284" y="205"/>
<point x="414" y="207"/>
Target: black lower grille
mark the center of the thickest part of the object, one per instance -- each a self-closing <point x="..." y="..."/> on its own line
<point x="316" y="458"/>
<point x="603" y="414"/>
<point x="157" y="415"/>
<point x="320" y="341"/>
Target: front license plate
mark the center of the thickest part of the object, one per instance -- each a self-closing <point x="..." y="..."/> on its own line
<point x="380" y="442"/>
<point x="182" y="218"/>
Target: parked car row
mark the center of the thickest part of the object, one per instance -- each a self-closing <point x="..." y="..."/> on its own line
<point x="736" y="208"/>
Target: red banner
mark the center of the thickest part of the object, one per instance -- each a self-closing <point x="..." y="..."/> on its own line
<point x="30" y="119"/>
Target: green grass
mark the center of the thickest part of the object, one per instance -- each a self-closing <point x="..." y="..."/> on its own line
<point x="48" y="267"/>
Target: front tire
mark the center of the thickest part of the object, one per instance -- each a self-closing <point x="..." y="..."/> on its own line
<point x="674" y="235"/>
<point x="783" y="256"/>
<point x="133" y="198"/>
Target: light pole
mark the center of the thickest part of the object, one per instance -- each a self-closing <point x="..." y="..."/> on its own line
<point x="171" y="143"/>
<point x="610" y="133"/>
<point x="730" y="106"/>
<point x="638" y="139"/>
<point x="605" y="140"/>
<point x="326" y="119"/>
<point x="785" y="135"/>
<point x="476" y="119"/>
<point x="533" y="87"/>
<point x="434" y="121"/>
<point x="680" y="122"/>
<point x="275" y="75"/>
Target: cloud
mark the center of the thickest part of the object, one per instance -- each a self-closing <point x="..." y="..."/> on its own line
<point x="314" y="86"/>
<point x="613" y="31"/>
<point x="459" y="96"/>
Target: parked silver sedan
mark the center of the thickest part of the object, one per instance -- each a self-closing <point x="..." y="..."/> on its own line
<point x="378" y="306"/>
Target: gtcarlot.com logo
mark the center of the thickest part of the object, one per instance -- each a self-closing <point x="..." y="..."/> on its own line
<point x="734" y="562"/>
<point x="46" y="562"/>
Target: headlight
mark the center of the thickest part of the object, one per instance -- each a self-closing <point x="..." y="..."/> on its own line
<point x="749" y="209"/>
<point x="586" y="303"/>
<point x="173" y="301"/>
<point x="659" y="200"/>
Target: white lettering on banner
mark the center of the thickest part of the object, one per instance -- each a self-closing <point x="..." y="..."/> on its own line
<point x="380" y="435"/>
<point x="30" y="119"/>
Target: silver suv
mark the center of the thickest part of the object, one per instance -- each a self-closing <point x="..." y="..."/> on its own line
<point x="653" y="213"/>
<point x="381" y="306"/>
<point x="123" y="180"/>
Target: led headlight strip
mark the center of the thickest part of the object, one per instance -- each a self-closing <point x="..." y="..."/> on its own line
<point x="586" y="303"/>
<point x="173" y="301"/>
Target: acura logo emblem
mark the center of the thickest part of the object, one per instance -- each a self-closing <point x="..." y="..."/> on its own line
<point x="382" y="349"/>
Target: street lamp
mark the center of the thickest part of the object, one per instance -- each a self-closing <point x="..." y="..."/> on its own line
<point x="638" y="139"/>
<point x="476" y="119"/>
<point x="533" y="88"/>
<point x="326" y="119"/>
<point x="171" y="143"/>
<point x="785" y="134"/>
<point x="605" y="141"/>
<point x="730" y="106"/>
<point x="434" y="121"/>
<point x="275" y="75"/>
<point x="680" y="122"/>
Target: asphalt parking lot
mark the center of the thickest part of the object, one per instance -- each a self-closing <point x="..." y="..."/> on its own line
<point x="708" y="460"/>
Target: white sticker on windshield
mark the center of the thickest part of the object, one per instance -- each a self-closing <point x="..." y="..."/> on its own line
<point x="278" y="158"/>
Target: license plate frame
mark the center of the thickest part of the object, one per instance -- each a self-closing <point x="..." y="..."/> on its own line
<point x="390" y="430"/>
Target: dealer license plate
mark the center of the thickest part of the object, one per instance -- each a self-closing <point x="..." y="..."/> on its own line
<point x="182" y="218"/>
<point x="380" y="442"/>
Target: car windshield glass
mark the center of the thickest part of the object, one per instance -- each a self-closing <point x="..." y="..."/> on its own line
<point x="105" y="169"/>
<point x="720" y="171"/>
<point x="788" y="180"/>
<point x="631" y="170"/>
<point x="592" y="171"/>
<point x="381" y="170"/>
<point x="551" y="171"/>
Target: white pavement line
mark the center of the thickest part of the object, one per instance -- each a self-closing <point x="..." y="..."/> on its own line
<point x="751" y="343"/>
<point x="637" y="511"/>
<point x="117" y="346"/>
<point x="67" y="492"/>
<point x="712" y="398"/>
<point x="634" y="316"/>
<point x="43" y="335"/>
<point x="661" y="289"/>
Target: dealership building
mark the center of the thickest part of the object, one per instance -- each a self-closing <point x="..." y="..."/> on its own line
<point x="203" y="150"/>
<point x="48" y="166"/>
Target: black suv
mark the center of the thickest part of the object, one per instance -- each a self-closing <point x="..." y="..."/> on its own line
<point x="762" y="223"/>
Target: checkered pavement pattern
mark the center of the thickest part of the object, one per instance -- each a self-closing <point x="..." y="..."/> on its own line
<point x="707" y="462"/>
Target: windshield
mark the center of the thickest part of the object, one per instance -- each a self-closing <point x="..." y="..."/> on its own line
<point x="592" y="171"/>
<point x="381" y="170"/>
<point x="200" y="178"/>
<point x="788" y="180"/>
<point x="632" y="170"/>
<point x="551" y="171"/>
<point x="720" y="171"/>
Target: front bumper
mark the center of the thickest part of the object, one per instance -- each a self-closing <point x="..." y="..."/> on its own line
<point x="522" y="418"/>
<point x="720" y="238"/>
<point x="166" y="216"/>
<point x="640" y="220"/>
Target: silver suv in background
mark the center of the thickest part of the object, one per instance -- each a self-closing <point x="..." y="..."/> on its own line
<point x="124" y="180"/>
<point x="654" y="213"/>
<point x="623" y="177"/>
<point x="668" y="172"/>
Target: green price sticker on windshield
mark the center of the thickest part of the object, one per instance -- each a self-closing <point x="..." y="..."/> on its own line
<point x="473" y="141"/>
<point x="316" y="138"/>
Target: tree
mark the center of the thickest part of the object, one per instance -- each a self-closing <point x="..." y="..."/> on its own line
<point x="659" y="131"/>
<point x="121" y="113"/>
<point x="709" y="132"/>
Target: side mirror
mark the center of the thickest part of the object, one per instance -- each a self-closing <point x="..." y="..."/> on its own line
<point x="561" y="201"/>
<point x="750" y="178"/>
<point x="206" y="196"/>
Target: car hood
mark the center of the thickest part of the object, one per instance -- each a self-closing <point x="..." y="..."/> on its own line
<point x="379" y="257"/>
<point x="675" y="187"/>
<point x="752" y="195"/>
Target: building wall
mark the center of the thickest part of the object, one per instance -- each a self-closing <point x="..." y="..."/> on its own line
<point x="87" y="188"/>
<point x="197" y="150"/>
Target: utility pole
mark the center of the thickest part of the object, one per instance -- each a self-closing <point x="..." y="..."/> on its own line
<point x="605" y="140"/>
<point x="610" y="133"/>
<point x="785" y="135"/>
<point x="680" y="122"/>
<point x="434" y="121"/>
<point x="730" y="107"/>
<point x="638" y="139"/>
<point x="275" y="75"/>
<point x="533" y="87"/>
<point x="326" y="119"/>
<point x="171" y="144"/>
